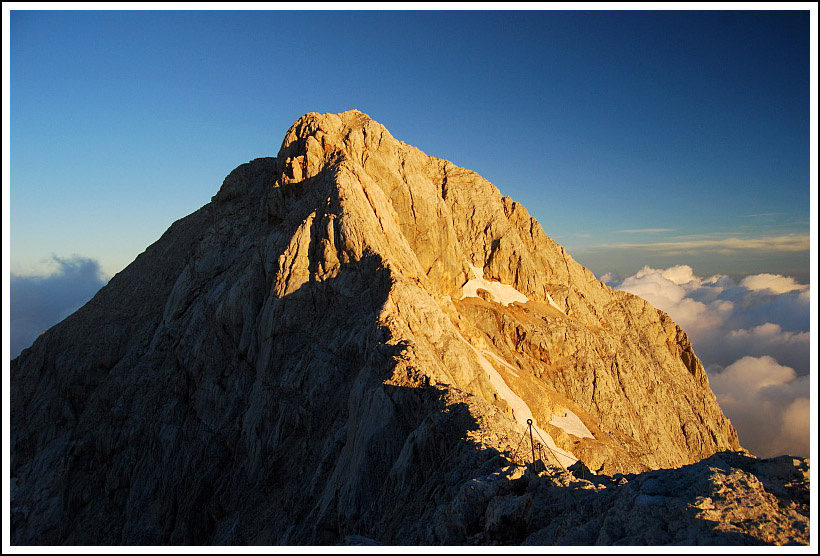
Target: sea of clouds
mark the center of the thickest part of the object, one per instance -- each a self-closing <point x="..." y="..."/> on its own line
<point x="753" y="339"/>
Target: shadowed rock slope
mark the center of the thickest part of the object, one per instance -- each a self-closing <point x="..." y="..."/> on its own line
<point x="333" y="346"/>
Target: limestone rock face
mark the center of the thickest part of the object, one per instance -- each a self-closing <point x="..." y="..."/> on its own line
<point x="332" y="348"/>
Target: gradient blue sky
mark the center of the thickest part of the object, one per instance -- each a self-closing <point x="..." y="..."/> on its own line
<point x="633" y="137"/>
<point x="659" y="138"/>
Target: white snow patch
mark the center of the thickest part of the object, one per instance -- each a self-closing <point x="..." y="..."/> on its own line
<point x="571" y="424"/>
<point x="501" y="361"/>
<point x="554" y="304"/>
<point x="521" y="411"/>
<point x="501" y="293"/>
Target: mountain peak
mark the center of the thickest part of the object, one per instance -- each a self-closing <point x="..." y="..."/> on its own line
<point x="328" y="123"/>
<point x="316" y="140"/>
<point x="361" y="346"/>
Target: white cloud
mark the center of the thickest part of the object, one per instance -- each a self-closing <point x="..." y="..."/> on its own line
<point x="795" y="430"/>
<point x="747" y="376"/>
<point x="772" y="283"/>
<point x="772" y="333"/>
<point x="753" y="338"/>
<point x="611" y="278"/>
<point x="37" y="303"/>
<point x="768" y="403"/>
<point x="681" y="275"/>
<point x="653" y="286"/>
<point x="668" y="290"/>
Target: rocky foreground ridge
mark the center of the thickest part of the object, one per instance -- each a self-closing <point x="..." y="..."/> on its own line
<point x="345" y="339"/>
<point x="729" y="498"/>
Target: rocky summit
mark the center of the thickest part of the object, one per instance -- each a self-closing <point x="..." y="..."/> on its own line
<point x="355" y="342"/>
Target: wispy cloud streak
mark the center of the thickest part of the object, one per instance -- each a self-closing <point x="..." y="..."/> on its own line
<point x="791" y="243"/>
<point x="646" y="231"/>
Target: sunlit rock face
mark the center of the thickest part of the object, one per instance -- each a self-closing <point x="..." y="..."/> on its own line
<point x="332" y="348"/>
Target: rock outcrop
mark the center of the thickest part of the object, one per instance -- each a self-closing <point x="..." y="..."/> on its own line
<point x="348" y="334"/>
<point x="730" y="498"/>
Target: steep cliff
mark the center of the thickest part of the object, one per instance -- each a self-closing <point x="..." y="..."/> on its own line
<point x="345" y="335"/>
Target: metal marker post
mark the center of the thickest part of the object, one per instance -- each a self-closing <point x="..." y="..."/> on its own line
<point x="532" y="444"/>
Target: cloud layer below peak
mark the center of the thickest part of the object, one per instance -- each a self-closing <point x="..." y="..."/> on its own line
<point x="39" y="302"/>
<point x="753" y="338"/>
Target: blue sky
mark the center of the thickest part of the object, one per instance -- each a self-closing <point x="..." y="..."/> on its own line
<point x="633" y="137"/>
<point x="659" y="147"/>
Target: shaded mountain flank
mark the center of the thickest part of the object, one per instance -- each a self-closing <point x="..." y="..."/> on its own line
<point x="348" y="344"/>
